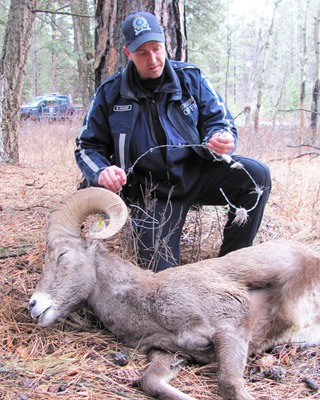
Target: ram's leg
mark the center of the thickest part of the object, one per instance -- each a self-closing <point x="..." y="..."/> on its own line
<point x="231" y="353"/>
<point x="162" y="369"/>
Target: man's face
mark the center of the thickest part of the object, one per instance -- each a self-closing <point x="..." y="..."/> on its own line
<point x="149" y="59"/>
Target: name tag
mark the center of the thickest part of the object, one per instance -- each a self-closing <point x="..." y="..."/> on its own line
<point x="122" y="108"/>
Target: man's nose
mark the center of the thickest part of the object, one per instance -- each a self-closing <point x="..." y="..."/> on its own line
<point x="152" y="57"/>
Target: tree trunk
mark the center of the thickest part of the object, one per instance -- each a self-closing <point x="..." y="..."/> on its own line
<point x="83" y="45"/>
<point x="315" y="110"/>
<point x="109" y="39"/>
<point x="304" y="60"/>
<point x="229" y="53"/>
<point x="315" y="107"/>
<point x="34" y="63"/>
<point x="263" y="69"/>
<point x="54" y="71"/>
<point x="302" y="109"/>
<point x="13" y="61"/>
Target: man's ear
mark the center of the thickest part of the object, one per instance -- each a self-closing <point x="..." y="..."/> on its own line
<point x="127" y="52"/>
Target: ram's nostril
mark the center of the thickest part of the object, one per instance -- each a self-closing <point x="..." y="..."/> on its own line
<point x="32" y="303"/>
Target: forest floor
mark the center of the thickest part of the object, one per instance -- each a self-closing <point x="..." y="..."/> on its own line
<point x="76" y="358"/>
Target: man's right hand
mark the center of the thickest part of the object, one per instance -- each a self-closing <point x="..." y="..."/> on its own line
<point x="221" y="143"/>
<point x="112" y="178"/>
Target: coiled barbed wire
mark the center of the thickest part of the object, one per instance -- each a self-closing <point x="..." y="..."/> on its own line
<point x="241" y="213"/>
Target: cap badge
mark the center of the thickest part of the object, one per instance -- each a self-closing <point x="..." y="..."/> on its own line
<point x="140" y="24"/>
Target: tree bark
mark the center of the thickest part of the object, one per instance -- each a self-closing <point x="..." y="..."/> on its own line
<point x="13" y="61"/>
<point x="54" y="71"/>
<point x="304" y="59"/>
<point x="34" y="63"/>
<point x="83" y="46"/>
<point x="109" y="39"/>
<point x="263" y="69"/>
<point x="315" y="106"/>
<point x="315" y="110"/>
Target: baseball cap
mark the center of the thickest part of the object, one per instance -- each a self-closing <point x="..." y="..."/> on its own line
<point x="139" y="28"/>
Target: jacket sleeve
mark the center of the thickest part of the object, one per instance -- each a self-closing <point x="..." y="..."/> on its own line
<point x="214" y="115"/>
<point x="94" y="142"/>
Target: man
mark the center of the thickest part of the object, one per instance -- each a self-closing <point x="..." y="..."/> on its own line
<point x="158" y="132"/>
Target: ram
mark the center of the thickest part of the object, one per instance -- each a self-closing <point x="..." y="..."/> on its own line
<point x="213" y="310"/>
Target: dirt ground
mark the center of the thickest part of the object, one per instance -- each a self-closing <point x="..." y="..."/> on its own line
<point x="78" y="359"/>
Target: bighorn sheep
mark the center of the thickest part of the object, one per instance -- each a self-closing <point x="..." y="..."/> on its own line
<point x="213" y="310"/>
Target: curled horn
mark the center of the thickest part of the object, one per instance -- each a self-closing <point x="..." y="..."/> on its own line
<point x="69" y="216"/>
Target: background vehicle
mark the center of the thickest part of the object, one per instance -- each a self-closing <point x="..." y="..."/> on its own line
<point x="51" y="106"/>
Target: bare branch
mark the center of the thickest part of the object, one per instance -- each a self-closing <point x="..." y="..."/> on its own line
<point x="298" y="109"/>
<point x="304" y="145"/>
<point x="63" y="13"/>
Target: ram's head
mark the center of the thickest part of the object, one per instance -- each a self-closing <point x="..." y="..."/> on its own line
<point x="69" y="273"/>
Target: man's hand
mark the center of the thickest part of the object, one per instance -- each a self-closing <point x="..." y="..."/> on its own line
<point x="221" y="143"/>
<point x="112" y="178"/>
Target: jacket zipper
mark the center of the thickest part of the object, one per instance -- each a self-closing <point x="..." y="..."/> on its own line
<point x="159" y="134"/>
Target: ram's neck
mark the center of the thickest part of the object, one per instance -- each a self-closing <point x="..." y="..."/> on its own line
<point x="121" y="294"/>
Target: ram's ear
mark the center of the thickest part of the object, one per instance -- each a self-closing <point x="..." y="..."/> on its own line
<point x="68" y="218"/>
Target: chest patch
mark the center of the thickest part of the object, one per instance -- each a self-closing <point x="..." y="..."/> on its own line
<point x="188" y="106"/>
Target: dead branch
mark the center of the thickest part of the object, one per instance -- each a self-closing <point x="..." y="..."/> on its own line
<point x="309" y="153"/>
<point x="4" y="256"/>
<point x="303" y="145"/>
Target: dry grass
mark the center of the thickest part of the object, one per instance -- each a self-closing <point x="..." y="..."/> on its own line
<point x="77" y="359"/>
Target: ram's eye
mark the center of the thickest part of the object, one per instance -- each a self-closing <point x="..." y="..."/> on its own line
<point x="60" y="255"/>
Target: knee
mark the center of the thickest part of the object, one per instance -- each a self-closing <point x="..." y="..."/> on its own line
<point x="264" y="176"/>
<point x="259" y="171"/>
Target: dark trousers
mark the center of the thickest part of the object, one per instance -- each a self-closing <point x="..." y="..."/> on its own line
<point x="159" y="221"/>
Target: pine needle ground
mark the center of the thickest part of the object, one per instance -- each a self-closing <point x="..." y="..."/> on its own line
<point x="77" y="358"/>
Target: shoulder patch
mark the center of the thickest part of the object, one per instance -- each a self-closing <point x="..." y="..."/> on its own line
<point x="182" y="65"/>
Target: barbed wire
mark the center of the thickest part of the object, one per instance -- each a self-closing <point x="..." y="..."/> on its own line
<point x="241" y="213"/>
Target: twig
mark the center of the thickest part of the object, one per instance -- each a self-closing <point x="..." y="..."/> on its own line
<point x="309" y="153"/>
<point x="30" y="207"/>
<point x="56" y="12"/>
<point x="298" y="109"/>
<point x="303" y="145"/>
<point x="3" y="256"/>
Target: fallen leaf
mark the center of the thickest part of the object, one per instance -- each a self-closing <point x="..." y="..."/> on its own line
<point x="267" y="361"/>
<point x="23" y="352"/>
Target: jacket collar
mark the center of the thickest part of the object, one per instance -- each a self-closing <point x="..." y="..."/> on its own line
<point x="171" y="85"/>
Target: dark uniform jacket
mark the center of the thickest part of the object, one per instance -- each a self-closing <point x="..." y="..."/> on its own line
<point x="122" y="128"/>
